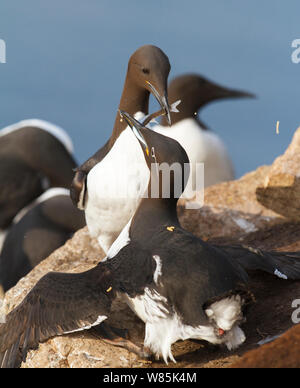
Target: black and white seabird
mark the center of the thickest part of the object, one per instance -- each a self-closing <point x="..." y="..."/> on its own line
<point x="180" y="286"/>
<point x="108" y="186"/>
<point x="193" y="289"/>
<point x="201" y="144"/>
<point x="36" y="232"/>
<point x="34" y="155"/>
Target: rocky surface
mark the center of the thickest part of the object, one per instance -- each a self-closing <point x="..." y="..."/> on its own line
<point x="280" y="190"/>
<point x="282" y="353"/>
<point x="231" y="214"/>
<point x="230" y="209"/>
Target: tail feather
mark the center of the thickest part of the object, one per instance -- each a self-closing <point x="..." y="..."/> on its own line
<point x="285" y="265"/>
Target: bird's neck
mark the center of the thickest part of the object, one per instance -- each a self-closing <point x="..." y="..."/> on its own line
<point x="151" y="215"/>
<point x="134" y="99"/>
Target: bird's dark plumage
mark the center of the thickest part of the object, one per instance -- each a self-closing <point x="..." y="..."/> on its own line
<point x="198" y="289"/>
<point x="30" y="157"/>
<point x="59" y="303"/>
<point x="45" y="227"/>
<point x="19" y="185"/>
<point x="282" y="264"/>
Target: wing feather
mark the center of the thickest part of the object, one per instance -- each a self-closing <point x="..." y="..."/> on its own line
<point x="285" y="263"/>
<point x="59" y="303"/>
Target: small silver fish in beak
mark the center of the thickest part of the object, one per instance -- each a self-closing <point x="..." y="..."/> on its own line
<point x="162" y="100"/>
<point x="151" y="117"/>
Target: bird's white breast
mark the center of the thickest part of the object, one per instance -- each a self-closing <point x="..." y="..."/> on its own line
<point x="114" y="189"/>
<point x="201" y="146"/>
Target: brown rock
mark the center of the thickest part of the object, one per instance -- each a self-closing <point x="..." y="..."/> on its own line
<point x="284" y="352"/>
<point x="281" y="189"/>
<point x="230" y="209"/>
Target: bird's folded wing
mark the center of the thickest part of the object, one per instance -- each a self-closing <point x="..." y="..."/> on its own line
<point x="78" y="186"/>
<point x="78" y="189"/>
<point x="59" y="303"/>
<point x="285" y="265"/>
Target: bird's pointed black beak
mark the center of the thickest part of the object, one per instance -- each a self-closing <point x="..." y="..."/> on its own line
<point x="240" y="94"/>
<point x="136" y="127"/>
<point x="162" y="100"/>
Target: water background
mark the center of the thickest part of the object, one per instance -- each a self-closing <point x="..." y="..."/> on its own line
<point x="67" y="59"/>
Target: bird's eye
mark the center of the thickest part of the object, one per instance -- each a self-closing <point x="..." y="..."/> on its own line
<point x="145" y="70"/>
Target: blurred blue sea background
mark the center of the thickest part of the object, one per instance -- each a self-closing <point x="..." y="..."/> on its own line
<point x="67" y="60"/>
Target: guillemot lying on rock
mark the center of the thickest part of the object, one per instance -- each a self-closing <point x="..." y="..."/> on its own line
<point x="34" y="155"/>
<point x="180" y="286"/>
<point x="108" y="186"/>
<point x="197" y="290"/>
<point x="36" y="232"/>
<point x="201" y="144"/>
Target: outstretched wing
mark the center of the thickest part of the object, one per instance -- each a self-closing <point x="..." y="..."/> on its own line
<point x="60" y="303"/>
<point x="285" y="265"/>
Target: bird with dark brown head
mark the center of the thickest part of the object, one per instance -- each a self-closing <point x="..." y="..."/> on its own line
<point x="196" y="91"/>
<point x="201" y="145"/>
<point x="34" y="155"/>
<point x="147" y="73"/>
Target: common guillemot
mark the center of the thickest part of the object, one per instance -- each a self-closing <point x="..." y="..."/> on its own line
<point x="36" y="232"/>
<point x="201" y="144"/>
<point x="194" y="289"/>
<point x="34" y="155"/>
<point x="108" y="186"/>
